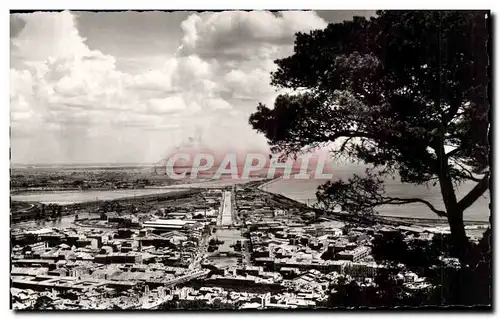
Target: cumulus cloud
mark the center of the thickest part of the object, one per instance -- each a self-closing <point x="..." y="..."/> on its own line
<point x="242" y="46"/>
<point x="16" y="25"/>
<point x="239" y="34"/>
<point x="48" y="34"/>
<point x="77" y="101"/>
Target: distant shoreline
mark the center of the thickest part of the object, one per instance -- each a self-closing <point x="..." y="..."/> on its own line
<point x="274" y="180"/>
<point x="390" y="218"/>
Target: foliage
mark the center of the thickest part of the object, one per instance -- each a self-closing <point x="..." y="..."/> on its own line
<point x="68" y="294"/>
<point x="466" y="285"/>
<point x="195" y="305"/>
<point x="396" y="92"/>
<point x="43" y="303"/>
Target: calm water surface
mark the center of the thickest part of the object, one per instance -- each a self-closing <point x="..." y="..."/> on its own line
<point x="72" y="197"/>
<point x="305" y="190"/>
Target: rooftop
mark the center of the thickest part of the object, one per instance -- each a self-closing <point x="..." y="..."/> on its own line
<point x="168" y="222"/>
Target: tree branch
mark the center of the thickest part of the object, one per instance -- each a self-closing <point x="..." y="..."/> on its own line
<point x="474" y="194"/>
<point x="452" y="111"/>
<point x="400" y="201"/>
<point x="445" y="180"/>
<point x="343" y="146"/>
<point x="453" y="152"/>
<point x="468" y="174"/>
<point x="349" y="134"/>
<point x="471" y="178"/>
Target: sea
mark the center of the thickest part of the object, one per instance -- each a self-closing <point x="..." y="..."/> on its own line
<point x="302" y="190"/>
<point x="77" y="196"/>
<point x="305" y="191"/>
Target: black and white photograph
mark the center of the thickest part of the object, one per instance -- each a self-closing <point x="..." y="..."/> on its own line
<point x="250" y="160"/>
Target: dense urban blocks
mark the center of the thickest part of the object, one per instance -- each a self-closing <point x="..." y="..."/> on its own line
<point x="238" y="247"/>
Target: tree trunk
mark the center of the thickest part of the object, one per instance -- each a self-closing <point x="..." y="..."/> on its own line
<point x="459" y="240"/>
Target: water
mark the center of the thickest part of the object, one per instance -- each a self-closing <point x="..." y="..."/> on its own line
<point x="63" y="222"/>
<point x="305" y="190"/>
<point x="229" y="237"/>
<point x="72" y="197"/>
<point x="214" y="183"/>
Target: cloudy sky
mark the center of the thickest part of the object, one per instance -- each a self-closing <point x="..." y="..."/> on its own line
<point x="127" y="87"/>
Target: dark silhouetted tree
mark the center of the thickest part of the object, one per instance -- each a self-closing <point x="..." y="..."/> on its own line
<point x="405" y="92"/>
<point x="390" y="248"/>
<point x="43" y="303"/>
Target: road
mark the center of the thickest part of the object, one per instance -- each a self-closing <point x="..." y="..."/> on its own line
<point x="225" y="218"/>
<point x="227" y="209"/>
<point x="194" y="274"/>
<point x="202" y="251"/>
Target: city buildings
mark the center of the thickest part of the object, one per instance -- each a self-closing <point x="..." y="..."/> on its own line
<point x="260" y="253"/>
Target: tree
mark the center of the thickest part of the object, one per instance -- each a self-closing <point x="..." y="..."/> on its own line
<point x="468" y="285"/>
<point x="405" y="92"/>
<point x="390" y="248"/>
<point x="69" y="294"/>
<point x="43" y="303"/>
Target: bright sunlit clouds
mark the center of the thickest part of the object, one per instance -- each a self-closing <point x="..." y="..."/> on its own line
<point x="127" y="86"/>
